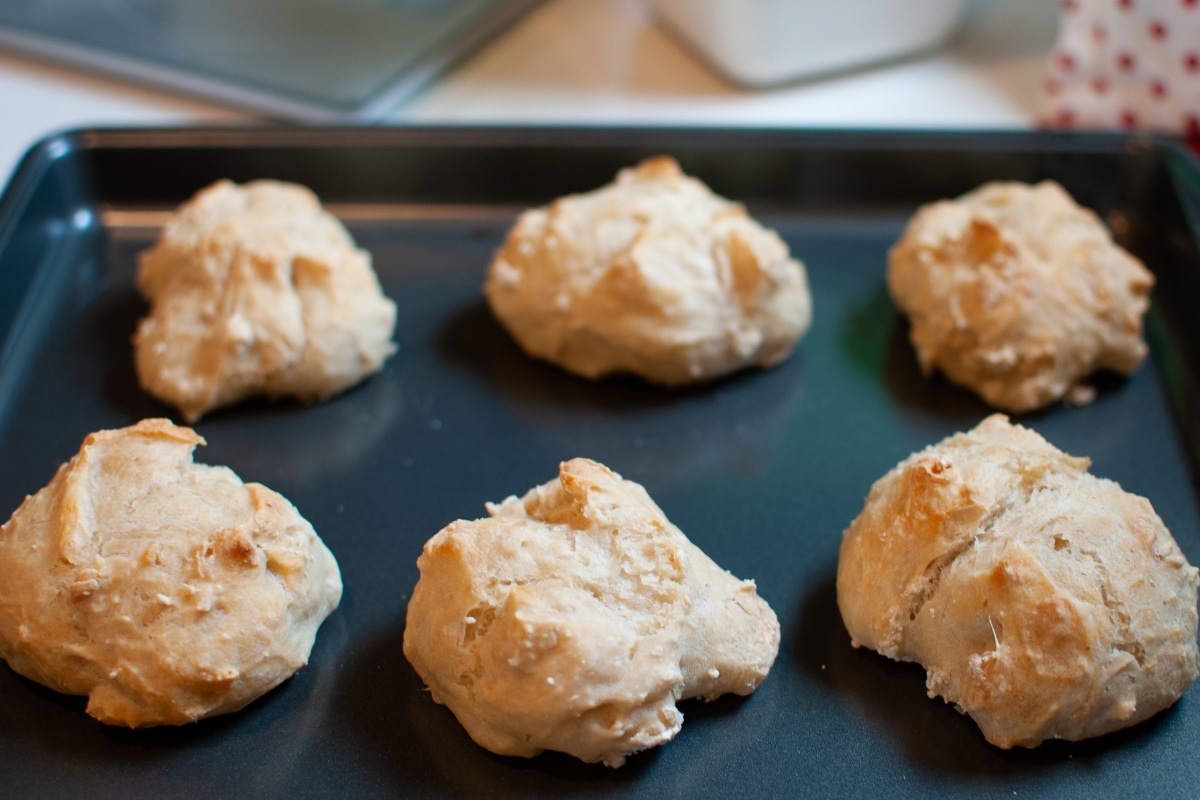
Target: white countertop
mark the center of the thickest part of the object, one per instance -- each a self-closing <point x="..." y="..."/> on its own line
<point x="606" y="62"/>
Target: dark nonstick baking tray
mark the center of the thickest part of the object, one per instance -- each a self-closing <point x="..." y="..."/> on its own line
<point x="763" y="470"/>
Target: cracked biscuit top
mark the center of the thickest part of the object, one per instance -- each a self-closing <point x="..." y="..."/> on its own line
<point x="1019" y="294"/>
<point x="575" y="617"/>
<point x="652" y="275"/>
<point x="163" y="590"/>
<point x="1042" y="601"/>
<point x="257" y="290"/>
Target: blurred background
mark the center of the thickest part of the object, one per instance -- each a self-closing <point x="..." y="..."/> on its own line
<point x="918" y="64"/>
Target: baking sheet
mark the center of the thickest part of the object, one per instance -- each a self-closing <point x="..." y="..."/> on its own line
<point x="762" y="470"/>
<point x="345" y="60"/>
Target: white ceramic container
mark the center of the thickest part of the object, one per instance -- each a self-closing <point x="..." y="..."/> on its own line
<point x="761" y="42"/>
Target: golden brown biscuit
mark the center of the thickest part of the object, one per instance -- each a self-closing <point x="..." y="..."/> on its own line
<point x="1042" y="601"/>
<point x="1019" y="294"/>
<point x="163" y="590"/>
<point x="575" y="617"/>
<point x="256" y="290"/>
<point x="653" y="275"/>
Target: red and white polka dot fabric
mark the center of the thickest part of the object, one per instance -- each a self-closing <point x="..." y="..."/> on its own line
<point x="1126" y="65"/>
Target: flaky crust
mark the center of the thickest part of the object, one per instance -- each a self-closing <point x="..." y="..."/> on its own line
<point x="163" y="590"/>
<point x="1043" y="601"/>
<point x="652" y="275"/>
<point x="575" y="617"/>
<point x="1019" y="294"/>
<point x="256" y="290"/>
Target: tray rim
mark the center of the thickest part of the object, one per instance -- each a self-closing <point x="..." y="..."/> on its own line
<point x="41" y="154"/>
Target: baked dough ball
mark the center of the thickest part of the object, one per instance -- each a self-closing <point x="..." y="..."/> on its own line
<point x="1019" y="294"/>
<point x="653" y="275"/>
<point x="164" y="591"/>
<point x="575" y="617"/>
<point x="1043" y="601"/>
<point x="256" y="290"/>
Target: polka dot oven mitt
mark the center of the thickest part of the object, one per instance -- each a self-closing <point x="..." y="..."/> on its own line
<point x="1125" y="65"/>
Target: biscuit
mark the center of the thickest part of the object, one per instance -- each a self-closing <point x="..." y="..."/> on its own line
<point x="574" y="618"/>
<point x="256" y="290"/>
<point x="1019" y="294"/>
<point x="163" y="590"/>
<point x="652" y="275"/>
<point x="1042" y="601"/>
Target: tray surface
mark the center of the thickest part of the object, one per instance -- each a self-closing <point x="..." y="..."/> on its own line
<point x="762" y="470"/>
